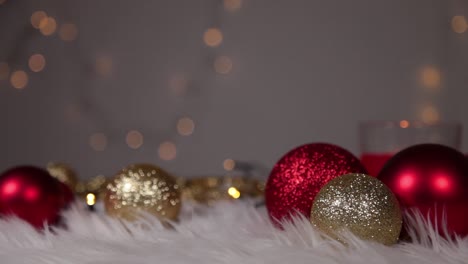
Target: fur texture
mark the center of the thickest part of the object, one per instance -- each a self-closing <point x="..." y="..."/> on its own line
<point x="229" y="232"/>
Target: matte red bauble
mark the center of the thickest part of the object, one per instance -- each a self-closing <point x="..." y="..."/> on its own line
<point x="300" y="174"/>
<point x="434" y="179"/>
<point x="31" y="194"/>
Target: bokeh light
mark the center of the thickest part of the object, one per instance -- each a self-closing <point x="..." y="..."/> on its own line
<point x="213" y="37"/>
<point x="185" y="126"/>
<point x="37" y="62"/>
<point x="103" y="65"/>
<point x="234" y="193"/>
<point x="223" y="65"/>
<point x="19" y="79"/>
<point x="48" y="26"/>
<point x="134" y="139"/>
<point x="38" y="18"/>
<point x="68" y="32"/>
<point x="404" y="124"/>
<point x="4" y="71"/>
<point x="229" y="164"/>
<point x="459" y="24"/>
<point x="430" y="77"/>
<point x="430" y="114"/>
<point x="232" y="5"/>
<point x="167" y="151"/>
<point x="98" y="141"/>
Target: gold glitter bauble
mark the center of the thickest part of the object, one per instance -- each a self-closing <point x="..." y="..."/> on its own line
<point x="360" y="204"/>
<point x="63" y="173"/>
<point x="143" y="188"/>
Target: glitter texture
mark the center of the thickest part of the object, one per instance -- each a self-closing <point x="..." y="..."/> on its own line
<point x="298" y="176"/>
<point x="143" y="187"/>
<point x="360" y="204"/>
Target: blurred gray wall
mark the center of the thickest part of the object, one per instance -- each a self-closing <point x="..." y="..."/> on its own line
<point x="303" y="71"/>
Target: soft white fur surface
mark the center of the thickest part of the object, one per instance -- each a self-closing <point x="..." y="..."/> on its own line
<point x="229" y="232"/>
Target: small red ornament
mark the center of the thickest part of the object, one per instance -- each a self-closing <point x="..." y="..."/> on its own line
<point x="434" y="179"/>
<point x="31" y="194"/>
<point x="300" y="174"/>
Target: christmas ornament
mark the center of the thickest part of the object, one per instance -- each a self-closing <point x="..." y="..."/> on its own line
<point x="434" y="179"/>
<point x="360" y="204"/>
<point x="67" y="178"/>
<point x="64" y="173"/>
<point x="143" y="187"/>
<point x="31" y="194"/>
<point x="298" y="176"/>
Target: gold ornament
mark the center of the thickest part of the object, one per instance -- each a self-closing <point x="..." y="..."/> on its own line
<point x="143" y="187"/>
<point x="63" y="173"/>
<point x="361" y="204"/>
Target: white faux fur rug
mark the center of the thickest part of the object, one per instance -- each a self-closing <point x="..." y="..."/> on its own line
<point x="229" y="232"/>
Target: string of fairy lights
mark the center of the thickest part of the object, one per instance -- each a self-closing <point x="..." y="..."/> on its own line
<point x="429" y="77"/>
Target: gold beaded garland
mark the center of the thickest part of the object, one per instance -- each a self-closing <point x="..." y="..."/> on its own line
<point x="361" y="204"/>
<point x="143" y="187"/>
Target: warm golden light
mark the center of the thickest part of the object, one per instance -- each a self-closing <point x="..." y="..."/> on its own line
<point x="38" y="18"/>
<point x="185" y="126"/>
<point x="4" y="71"/>
<point x="229" y="164"/>
<point x="167" y="151"/>
<point x="103" y="65"/>
<point x="223" y="65"/>
<point x="430" y="115"/>
<point x="404" y="124"/>
<point x="68" y="32"/>
<point x="19" y="79"/>
<point x="234" y="193"/>
<point x="48" y="26"/>
<point x="232" y="5"/>
<point x="430" y="77"/>
<point x="459" y="24"/>
<point x="213" y="37"/>
<point x="134" y="139"/>
<point x="90" y="199"/>
<point x="37" y="62"/>
<point x="98" y="141"/>
<point x="178" y="84"/>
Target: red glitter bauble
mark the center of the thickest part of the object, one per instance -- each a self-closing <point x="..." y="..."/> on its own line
<point x="300" y="174"/>
<point x="433" y="179"/>
<point x="31" y="194"/>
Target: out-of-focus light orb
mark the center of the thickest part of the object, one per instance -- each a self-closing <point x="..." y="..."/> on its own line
<point x="404" y="124"/>
<point x="459" y="24"/>
<point x="185" y="126"/>
<point x="213" y="37"/>
<point x="68" y="32"/>
<point x="167" y="151"/>
<point x="90" y="199"/>
<point x="38" y="18"/>
<point x="430" y="115"/>
<point x="430" y="77"/>
<point x="232" y="5"/>
<point x="4" y="71"/>
<point x="103" y="65"/>
<point x="37" y="62"/>
<point x="19" y="79"/>
<point x="229" y="164"/>
<point x="178" y="84"/>
<point x="48" y="26"/>
<point x="234" y="193"/>
<point x="134" y="139"/>
<point x="223" y="65"/>
<point x="98" y="141"/>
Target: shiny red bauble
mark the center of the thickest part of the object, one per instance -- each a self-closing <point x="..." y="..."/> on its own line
<point x="31" y="194"/>
<point x="300" y="174"/>
<point x="433" y="179"/>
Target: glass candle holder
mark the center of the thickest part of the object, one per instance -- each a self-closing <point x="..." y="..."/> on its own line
<point x="380" y="140"/>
